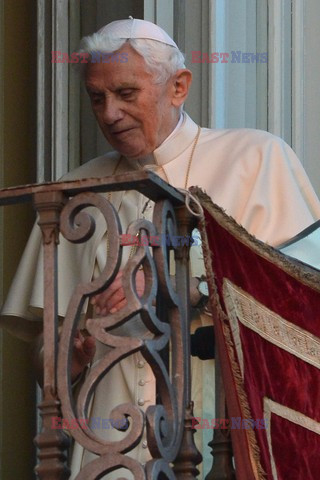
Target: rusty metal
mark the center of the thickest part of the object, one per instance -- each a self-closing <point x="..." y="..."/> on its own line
<point x="147" y="183"/>
<point x="168" y="423"/>
<point x="164" y="421"/>
<point x="52" y="444"/>
<point x="185" y="465"/>
<point x="189" y="456"/>
<point x="221" y="445"/>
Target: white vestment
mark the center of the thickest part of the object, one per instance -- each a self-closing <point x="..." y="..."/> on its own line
<point x="253" y="175"/>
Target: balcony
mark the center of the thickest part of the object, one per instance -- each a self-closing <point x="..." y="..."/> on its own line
<point x="70" y="210"/>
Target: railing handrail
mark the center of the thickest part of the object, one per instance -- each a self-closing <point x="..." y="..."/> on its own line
<point x="147" y="183"/>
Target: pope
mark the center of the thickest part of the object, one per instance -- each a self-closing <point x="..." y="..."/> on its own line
<point x="138" y="104"/>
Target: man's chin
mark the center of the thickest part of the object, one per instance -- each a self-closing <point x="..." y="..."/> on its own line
<point x="133" y="152"/>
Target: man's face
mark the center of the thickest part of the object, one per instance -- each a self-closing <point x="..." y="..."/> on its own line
<point x="134" y="114"/>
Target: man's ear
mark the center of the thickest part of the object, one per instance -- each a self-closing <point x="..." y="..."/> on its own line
<point x="182" y="80"/>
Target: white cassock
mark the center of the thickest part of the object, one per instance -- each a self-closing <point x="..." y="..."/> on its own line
<point x="253" y="175"/>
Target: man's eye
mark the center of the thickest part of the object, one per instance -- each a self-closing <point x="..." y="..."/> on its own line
<point x="96" y="99"/>
<point x="127" y="93"/>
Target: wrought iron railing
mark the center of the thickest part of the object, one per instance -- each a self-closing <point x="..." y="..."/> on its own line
<point x="164" y="311"/>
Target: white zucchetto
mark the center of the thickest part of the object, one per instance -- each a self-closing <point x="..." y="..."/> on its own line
<point x="136" y="28"/>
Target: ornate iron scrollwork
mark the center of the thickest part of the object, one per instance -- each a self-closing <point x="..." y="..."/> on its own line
<point x="164" y="420"/>
<point x="165" y="348"/>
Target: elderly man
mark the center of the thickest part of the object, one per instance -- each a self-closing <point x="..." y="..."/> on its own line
<point x="138" y="104"/>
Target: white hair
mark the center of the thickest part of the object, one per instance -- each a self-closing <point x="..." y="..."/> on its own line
<point x="162" y="60"/>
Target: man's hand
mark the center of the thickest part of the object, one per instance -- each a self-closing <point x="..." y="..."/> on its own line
<point x="84" y="349"/>
<point x="195" y="295"/>
<point x="113" y="299"/>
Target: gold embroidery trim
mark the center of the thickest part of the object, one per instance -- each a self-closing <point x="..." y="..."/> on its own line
<point x="298" y="418"/>
<point x="272" y="327"/>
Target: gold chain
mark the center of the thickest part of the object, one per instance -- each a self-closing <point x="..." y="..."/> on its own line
<point x="189" y="161"/>
<point x="133" y="248"/>
<point x="191" y="157"/>
<point x="109" y="196"/>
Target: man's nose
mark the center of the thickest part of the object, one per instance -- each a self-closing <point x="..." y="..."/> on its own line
<point x="112" y="111"/>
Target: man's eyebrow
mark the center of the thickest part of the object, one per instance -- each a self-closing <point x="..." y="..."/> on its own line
<point x="126" y="85"/>
<point x="118" y="88"/>
<point x="93" y="90"/>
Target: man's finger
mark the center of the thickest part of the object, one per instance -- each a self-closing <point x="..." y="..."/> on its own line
<point x="116" y="285"/>
<point x="119" y="306"/>
<point x="116" y="298"/>
<point x="89" y="346"/>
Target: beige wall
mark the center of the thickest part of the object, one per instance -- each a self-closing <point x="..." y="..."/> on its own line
<point x="17" y="123"/>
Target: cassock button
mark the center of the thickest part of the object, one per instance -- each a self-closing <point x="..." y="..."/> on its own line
<point x="140" y="364"/>
<point x="144" y="444"/>
<point x="140" y="402"/>
<point x="142" y="383"/>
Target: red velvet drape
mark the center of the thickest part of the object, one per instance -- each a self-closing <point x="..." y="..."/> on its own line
<point x="269" y="370"/>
